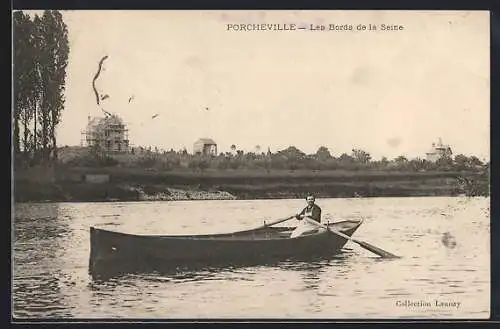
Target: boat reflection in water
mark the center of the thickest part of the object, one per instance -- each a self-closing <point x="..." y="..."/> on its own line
<point x="311" y="273"/>
<point x="114" y="254"/>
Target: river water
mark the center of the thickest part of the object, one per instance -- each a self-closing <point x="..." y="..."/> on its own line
<point x="444" y="244"/>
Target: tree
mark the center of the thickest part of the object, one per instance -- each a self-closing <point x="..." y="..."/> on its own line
<point x="361" y="156"/>
<point x="41" y="51"/>
<point x="25" y="83"/>
<point x="234" y="163"/>
<point x="193" y="164"/>
<point x="416" y="164"/>
<point x="444" y="163"/>
<point x="59" y="49"/>
<point x="461" y="162"/>
<point x="323" y="154"/>
<point x="384" y="162"/>
<point x="474" y="161"/>
<point x="292" y="156"/>
<point x="276" y="162"/>
<point x="21" y="43"/>
<point x="292" y="153"/>
<point x="401" y="160"/>
<point x="44" y="72"/>
<point x="203" y="165"/>
<point x="345" y="160"/>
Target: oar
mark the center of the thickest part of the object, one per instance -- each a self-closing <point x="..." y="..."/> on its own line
<point x="365" y="245"/>
<point x="276" y="221"/>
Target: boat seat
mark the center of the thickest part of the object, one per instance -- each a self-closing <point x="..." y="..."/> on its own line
<point x="285" y="234"/>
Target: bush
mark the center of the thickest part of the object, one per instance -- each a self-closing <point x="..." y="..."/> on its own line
<point x="93" y="161"/>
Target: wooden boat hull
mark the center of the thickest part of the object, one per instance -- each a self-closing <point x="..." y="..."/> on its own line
<point x="128" y="252"/>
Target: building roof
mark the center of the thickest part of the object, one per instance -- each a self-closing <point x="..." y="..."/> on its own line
<point x="94" y="122"/>
<point x="113" y="120"/>
<point x="109" y="120"/>
<point x="438" y="147"/>
<point x="206" y="141"/>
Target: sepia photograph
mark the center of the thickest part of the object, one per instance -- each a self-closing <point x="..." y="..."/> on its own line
<point x="250" y="164"/>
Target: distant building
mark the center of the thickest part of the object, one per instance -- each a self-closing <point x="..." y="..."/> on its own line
<point x="205" y="146"/>
<point x="438" y="151"/>
<point x="108" y="134"/>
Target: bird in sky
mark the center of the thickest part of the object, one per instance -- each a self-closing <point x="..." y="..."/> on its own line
<point x="107" y="114"/>
<point x="97" y="76"/>
<point x="154" y="116"/>
<point x="131" y="98"/>
<point x="103" y="97"/>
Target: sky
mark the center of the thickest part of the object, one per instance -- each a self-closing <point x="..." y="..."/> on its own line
<point x="387" y="92"/>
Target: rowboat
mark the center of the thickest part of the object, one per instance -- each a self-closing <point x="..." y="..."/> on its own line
<point x="125" y="252"/>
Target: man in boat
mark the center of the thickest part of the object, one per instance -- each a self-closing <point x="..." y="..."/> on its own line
<point x="312" y="211"/>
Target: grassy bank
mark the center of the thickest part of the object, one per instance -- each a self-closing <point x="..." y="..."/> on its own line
<point x="131" y="184"/>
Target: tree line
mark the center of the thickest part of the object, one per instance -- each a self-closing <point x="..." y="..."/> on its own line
<point x="41" y="50"/>
<point x="290" y="158"/>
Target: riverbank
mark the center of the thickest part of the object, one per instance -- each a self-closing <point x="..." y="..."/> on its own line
<point x="128" y="184"/>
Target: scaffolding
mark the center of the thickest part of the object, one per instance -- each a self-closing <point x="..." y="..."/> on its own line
<point x="108" y="134"/>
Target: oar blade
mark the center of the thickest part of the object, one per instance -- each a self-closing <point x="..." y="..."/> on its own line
<point x="367" y="246"/>
<point x="375" y="250"/>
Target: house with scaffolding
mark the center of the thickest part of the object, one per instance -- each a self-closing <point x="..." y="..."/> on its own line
<point x="108" y="134"/>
